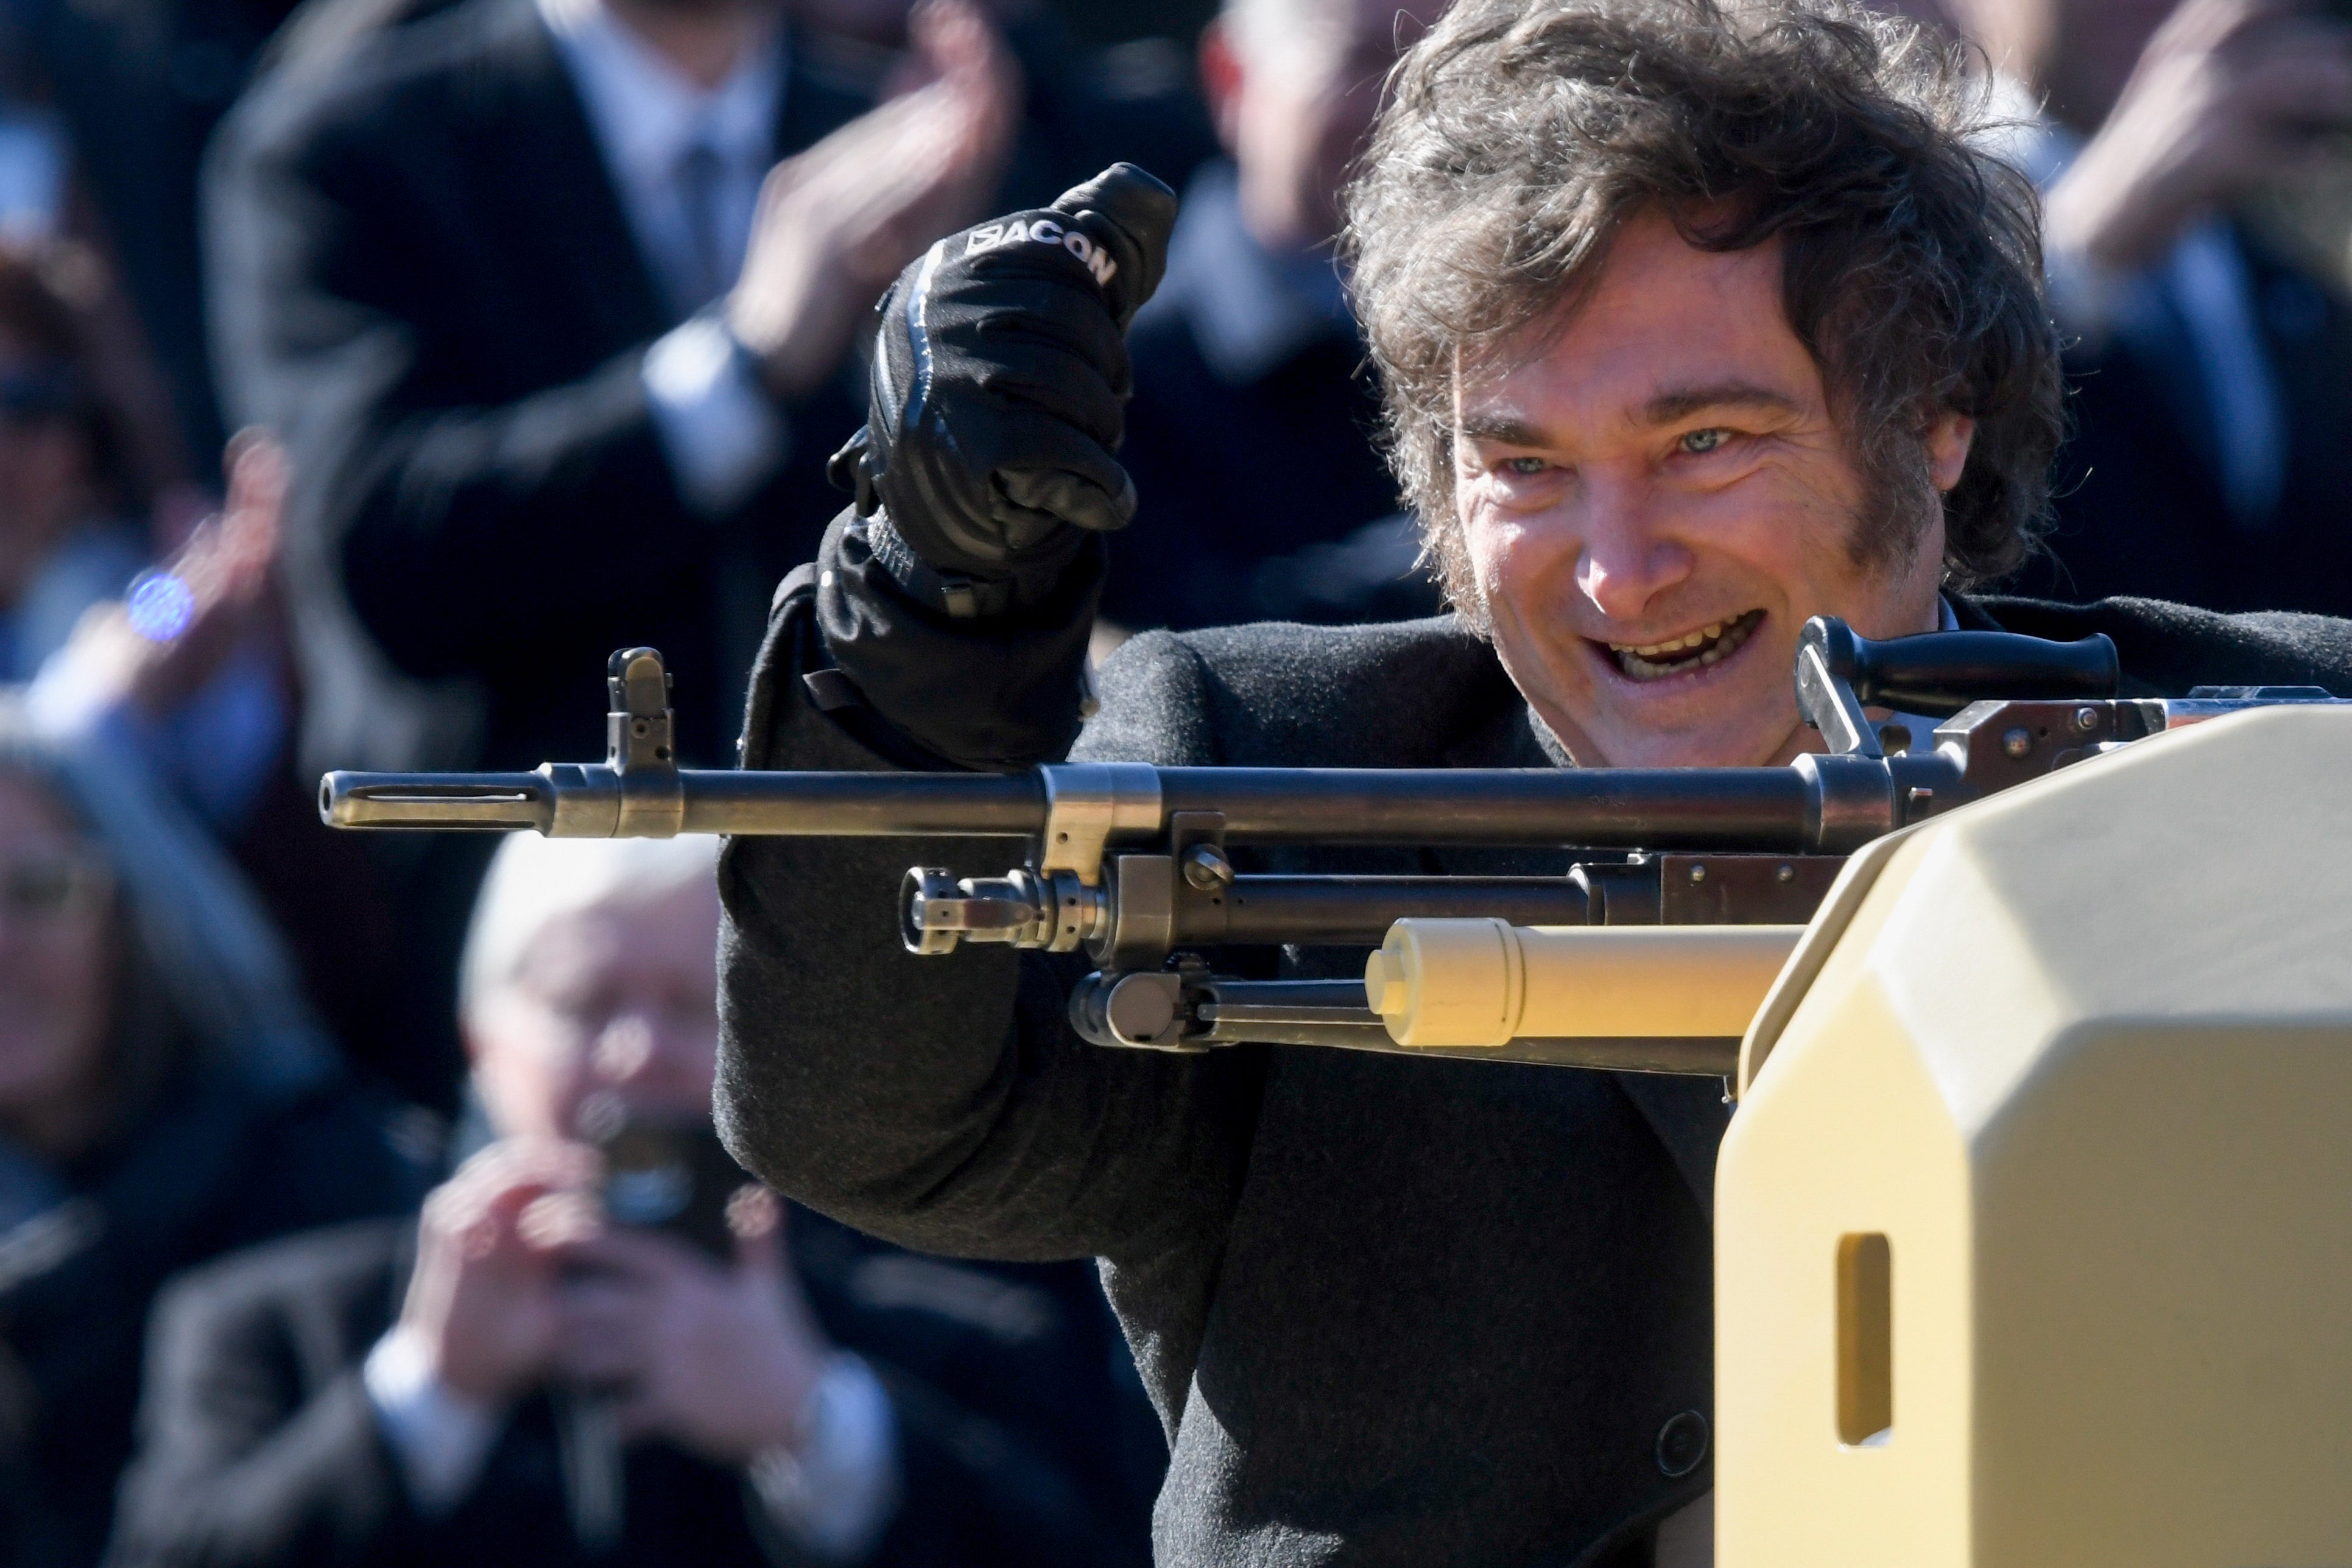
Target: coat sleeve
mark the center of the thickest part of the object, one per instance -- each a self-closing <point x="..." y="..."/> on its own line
<point x="2168" y="648"/>
<point x="240" y="1464"/>
<point x="421" y="504"/>
<point x="944" y="1103"/>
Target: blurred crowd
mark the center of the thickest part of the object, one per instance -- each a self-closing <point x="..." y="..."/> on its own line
<point x="358" y="1201"/>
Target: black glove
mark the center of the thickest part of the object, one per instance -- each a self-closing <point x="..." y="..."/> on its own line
<point x="998" y="386"/>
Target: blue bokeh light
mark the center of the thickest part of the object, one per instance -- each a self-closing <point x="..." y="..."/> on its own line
<point x="159" y="606"/>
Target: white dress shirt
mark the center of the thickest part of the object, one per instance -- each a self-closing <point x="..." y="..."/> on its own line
<point x="722" y="433"/>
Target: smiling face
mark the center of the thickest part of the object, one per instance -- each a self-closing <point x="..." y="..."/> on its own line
<point x="1655" y="502"/>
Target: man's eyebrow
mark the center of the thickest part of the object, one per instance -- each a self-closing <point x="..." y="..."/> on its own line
<point x="1506" y="429"/>
<point x="1509" y="429"/>
<point x="1680" y="403"/>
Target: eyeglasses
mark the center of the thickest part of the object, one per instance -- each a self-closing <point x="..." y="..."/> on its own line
<point x="46" y="885"/>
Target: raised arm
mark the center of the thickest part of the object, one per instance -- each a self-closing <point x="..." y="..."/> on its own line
<point x="944" y="1101"/>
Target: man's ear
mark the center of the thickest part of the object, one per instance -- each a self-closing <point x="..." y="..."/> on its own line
<point x="1948" y="439"/>
<point x="1221" y="81"/>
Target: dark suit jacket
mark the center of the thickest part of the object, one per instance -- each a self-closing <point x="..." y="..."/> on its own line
<point x="1239" y="472"/>
<point x="2138" y="504"/>
<point x="423" y="278"/>
<point x="1394" y="1311"/>
<point x="259" y="1445"/>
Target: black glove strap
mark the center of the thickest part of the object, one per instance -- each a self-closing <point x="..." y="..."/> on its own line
<point x="959" y="597"/>
<point x="1033" y="580"/>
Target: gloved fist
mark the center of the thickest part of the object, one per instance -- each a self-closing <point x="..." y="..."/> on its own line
<point x="999" y="377"/>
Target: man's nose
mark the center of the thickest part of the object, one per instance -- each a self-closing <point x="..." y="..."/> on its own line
<point x="1628" y="560"/>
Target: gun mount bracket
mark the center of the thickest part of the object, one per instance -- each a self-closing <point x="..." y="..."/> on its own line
<point x="1743" y="889"/>
<point x="1089" y="804"/>
<point x="1144" y="1009"/>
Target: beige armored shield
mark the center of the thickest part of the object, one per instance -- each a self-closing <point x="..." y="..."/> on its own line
<point x="2034" y="1225"/>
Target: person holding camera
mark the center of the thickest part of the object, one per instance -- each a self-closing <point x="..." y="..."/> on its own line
<point x="600" y="1338"/>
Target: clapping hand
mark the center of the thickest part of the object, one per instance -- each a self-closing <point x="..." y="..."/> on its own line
<point x="837" y="222"/>
<point x="183" y="622"/>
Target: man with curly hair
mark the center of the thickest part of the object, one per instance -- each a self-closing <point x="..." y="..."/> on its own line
<point x="1695" y="319"/>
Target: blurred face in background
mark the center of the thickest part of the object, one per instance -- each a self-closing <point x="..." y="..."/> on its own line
<point x="46" y="463"/>
<point x="56" y="957"/>
<point x="1294" y="85"/>
<point x="615" y="1004"/>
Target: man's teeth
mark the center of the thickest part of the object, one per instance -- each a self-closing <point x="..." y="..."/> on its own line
<point x="1720" y="639"/>
<point x="1652" y="650"/>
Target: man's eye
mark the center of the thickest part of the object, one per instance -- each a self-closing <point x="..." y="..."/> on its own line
<point x="1706" y="439"/>
<point x="1524" y="465"/>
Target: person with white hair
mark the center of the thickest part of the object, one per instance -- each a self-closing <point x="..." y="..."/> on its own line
<point x="607" y="1341"/>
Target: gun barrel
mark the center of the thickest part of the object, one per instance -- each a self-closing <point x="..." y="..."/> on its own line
<point x="1600" y="807"/>
<point x="864" y="805"/>
<point x="566" y="802"/>
<point x="481" y="802"/>
<point x="1763" y="809"/>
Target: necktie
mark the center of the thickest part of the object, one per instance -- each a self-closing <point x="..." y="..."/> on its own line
<point x="699" y="171"/>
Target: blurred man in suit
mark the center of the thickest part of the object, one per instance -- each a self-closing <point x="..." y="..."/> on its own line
<point x="572" y="1355"/>
<point x="1251" y="437"/>
<point x="548" y="331"/>
<point x="2211" y="368"/>
<point x="552" y="337"/>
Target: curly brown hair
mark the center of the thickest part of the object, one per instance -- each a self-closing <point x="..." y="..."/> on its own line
<point x="1518" y="137"/>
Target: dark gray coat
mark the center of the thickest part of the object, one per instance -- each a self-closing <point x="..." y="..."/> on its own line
<point x="1392" y="1311"/>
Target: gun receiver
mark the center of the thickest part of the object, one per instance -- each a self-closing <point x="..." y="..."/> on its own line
<point x="1131" y="862"/>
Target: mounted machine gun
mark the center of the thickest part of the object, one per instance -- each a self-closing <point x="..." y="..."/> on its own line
<point x="2032" y="1237"/>
<point x="1130" y="863"/>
